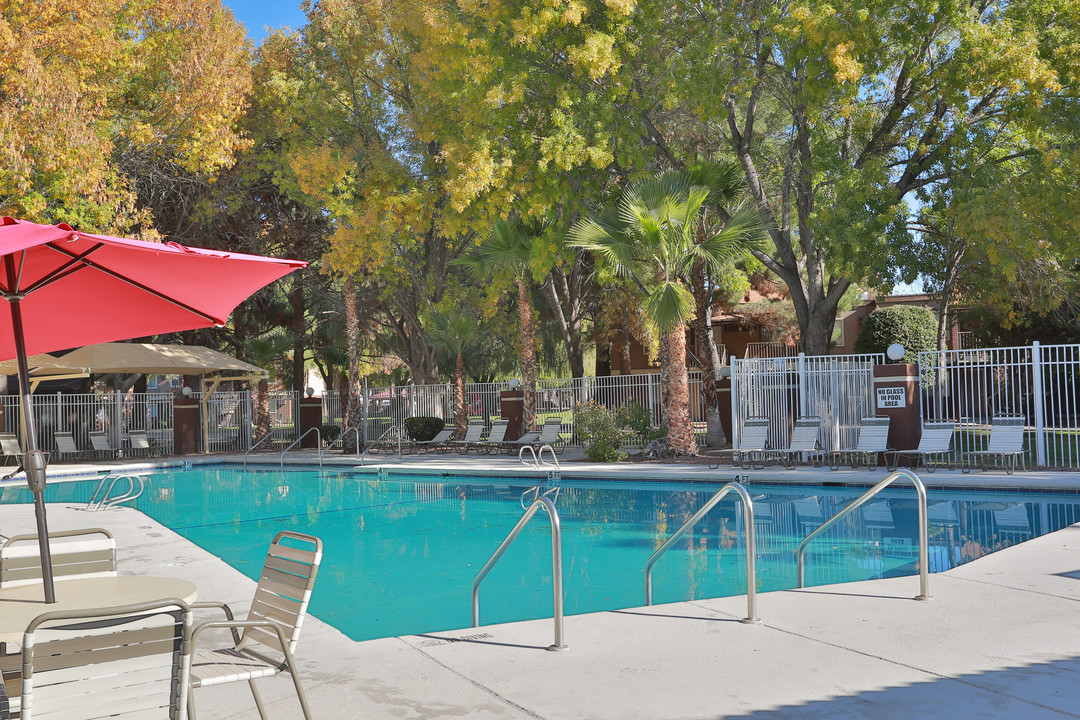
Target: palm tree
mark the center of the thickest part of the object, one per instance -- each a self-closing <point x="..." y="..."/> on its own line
<point x="451" y="335"/>
<point x="653" y="239"/>
<point x="508" y="249"/>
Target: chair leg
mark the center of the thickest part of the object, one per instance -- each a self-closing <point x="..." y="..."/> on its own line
<point x="190" y="704"/>
<point x="258" y="699"/>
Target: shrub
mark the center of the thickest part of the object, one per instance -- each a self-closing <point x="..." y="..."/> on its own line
<point x="637" y="419"/>
<point x="422" y="429"/>
<point x="601" y="432"/>
<point x="329" y="433"/>
<point x="913" y="327"/>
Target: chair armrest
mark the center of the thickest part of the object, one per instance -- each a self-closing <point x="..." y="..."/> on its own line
<point x="208" y="604"/>
<point x="234" y="625"/>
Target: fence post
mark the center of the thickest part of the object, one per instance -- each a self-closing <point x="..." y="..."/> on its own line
<point x="365" y="430"/>
<point x="1037" y="391"/>
<point x="803" y="381"/>
<point x="736" y="404"/>
<point x="657" y="416"/>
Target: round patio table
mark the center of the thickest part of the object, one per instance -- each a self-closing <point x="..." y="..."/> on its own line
<point x="22" y="603"/>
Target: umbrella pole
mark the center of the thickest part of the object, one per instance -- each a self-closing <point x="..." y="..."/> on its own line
<point x="33" y="460"/>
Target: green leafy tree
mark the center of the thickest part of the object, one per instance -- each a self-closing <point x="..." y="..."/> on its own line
<point x="507" y="252"/>
<point x="450" y="334"/>
<point x="913" y="327"/>
<point x="653" y="239"/>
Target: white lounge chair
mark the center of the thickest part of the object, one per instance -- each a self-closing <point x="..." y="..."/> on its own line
<point x="100" y="442"/>
<point x="496" y="437"/>
<point x="548" y="434"/>
<point x="435" y="444"/>
<point x="139" y="442"/>
<point x="1006" y="443"/>
<point x="935" y="443"/>
<point x="753" y="445"/>
<point x="272" y="628"/>
<point x="65" y="444"/>
<point x="804" y="439"/>
<point x="473" y="434"/>
<point x="873" y="439"/>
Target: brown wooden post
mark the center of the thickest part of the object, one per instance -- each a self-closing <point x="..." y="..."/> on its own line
<point x="512" y="404"/>
<point x="310" y="417"/>
<point x="186" y="425"/>
<point x="897" y="396"/>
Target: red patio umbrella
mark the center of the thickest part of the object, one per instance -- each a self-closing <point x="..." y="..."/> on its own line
<point x="67" y="289"/>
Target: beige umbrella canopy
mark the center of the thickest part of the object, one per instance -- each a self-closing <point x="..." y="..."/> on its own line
<point x="152" y="359"/>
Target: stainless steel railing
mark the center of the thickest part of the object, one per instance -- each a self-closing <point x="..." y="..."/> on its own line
<point x="924" y="551"/>
<point x="392" y="429"/>
<point x="340" y="437"/>
<point x="538" y="456"/>
<point x="263" y="439"/>
<point x="751" y="553"/>
<point x="543" y="501"/>
<point x="297" y="441"/>
<point x="106" y="500"/>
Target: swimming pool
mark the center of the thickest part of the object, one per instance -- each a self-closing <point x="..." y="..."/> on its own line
<point x="401" y="553"/>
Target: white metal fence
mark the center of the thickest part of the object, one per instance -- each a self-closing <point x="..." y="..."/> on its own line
<point x="1038" y="382"/>
<point x="968" y="387"/>
<point x="836" y="388"/>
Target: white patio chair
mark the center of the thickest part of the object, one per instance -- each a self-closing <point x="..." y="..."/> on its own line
<point x="127" y="661"/>
<point x="89" y="552"/>
<point x="272" y="628"/>
<point x="65" y="444"/>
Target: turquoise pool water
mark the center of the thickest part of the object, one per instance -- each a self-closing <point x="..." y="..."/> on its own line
<point x="401" y="554"/>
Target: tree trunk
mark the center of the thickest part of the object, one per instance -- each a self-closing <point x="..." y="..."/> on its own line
<point x="676" y="393"/>
<point x="709" y="356"/>
<point x="528" y="359"/>
<point x="461" y="412"/>
<point x="353" y="412"/>
<point x="563" y="294"/>
<point x="296" y="302"/>
<point x="262" y="409"/>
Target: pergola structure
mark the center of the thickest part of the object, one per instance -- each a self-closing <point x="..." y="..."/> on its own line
<point x="148" y="359"/>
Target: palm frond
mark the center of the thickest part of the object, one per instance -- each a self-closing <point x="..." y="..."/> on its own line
<point x="669" y="304"/>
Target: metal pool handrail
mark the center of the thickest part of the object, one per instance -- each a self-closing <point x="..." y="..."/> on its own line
<point x="392" y="428"/>
<point x="106" y="502"/>
<point x="538" y="457"/>
<point x="318" y="442"/>
<point x="924" y="553"/>
<point x="339" y="438"/>
<point x="556" y="564"/>
<point x="251" y="449"/>
<point x="751" y="554"/>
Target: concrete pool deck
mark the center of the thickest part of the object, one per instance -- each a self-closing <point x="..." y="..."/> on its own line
<point x="998" y="640"/>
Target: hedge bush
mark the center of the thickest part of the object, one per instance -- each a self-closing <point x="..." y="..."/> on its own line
<point x="600" y="430"/>
<point x="913" y="327"/>
<point x="423" y="429"/>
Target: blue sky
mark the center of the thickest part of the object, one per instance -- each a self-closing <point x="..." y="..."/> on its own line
<point x="256" y="14"/>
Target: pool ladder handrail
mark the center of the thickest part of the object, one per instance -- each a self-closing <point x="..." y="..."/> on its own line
<point x="538" y="456"/>
<point x="392" y="428"/>
<point x="261" y="440"/>
<point x="751" y="552"/>
<point x="924" y="530"/>
<point x="105" y="502"/>
<point x="341" y="435"/>
<point x="552" y="492"/>
<point x="297" y="441"/>
<point x="556" y="564"/>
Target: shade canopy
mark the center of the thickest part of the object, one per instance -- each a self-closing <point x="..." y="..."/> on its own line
<point x="41" y="364"/>
<point x="77" y="288"/>
<point x="155" y="359"/>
